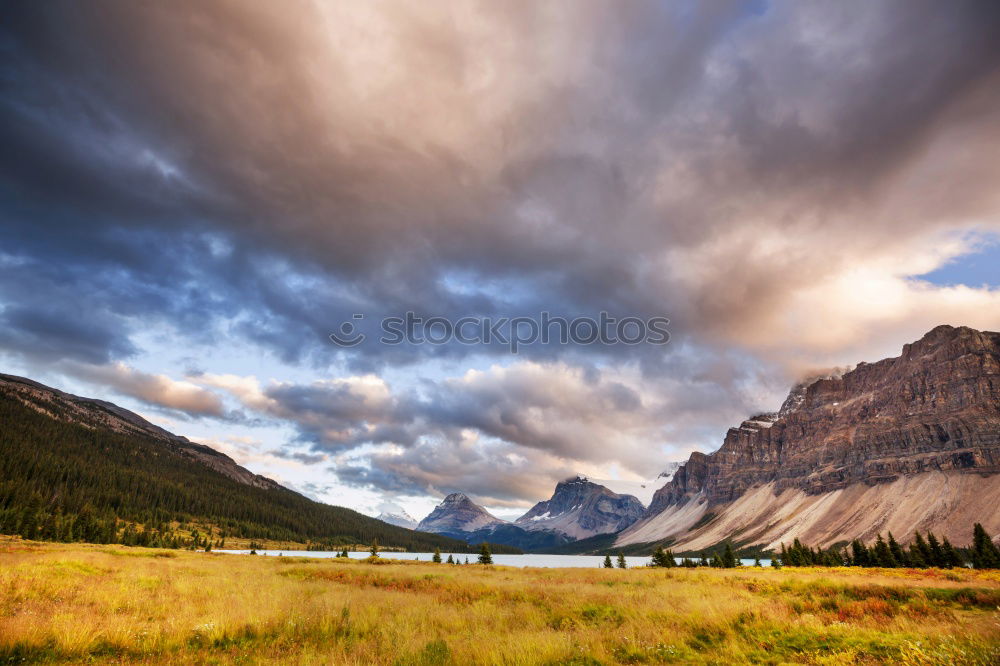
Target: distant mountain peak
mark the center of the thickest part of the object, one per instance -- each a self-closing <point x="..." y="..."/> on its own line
<point x="576" y="479"/>
<point x="457" y="513"/>
<point x="580" y="508"/>
<point x="398" y="517"/>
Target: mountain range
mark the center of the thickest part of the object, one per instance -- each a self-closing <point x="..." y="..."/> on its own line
<point x="578" y="509"/>
<point x="907" y="443"/>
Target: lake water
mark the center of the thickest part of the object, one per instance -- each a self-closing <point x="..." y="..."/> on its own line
<point x="528" y="560"/>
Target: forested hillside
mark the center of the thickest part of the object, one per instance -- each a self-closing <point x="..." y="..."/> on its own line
<point x="67" y="482"/>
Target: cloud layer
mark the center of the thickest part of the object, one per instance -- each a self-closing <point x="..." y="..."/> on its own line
<point x="770" y="176"/>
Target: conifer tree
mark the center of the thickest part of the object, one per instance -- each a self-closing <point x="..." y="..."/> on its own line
<point x="985" y="554"/>
<point x="951" y="555"/>
<point x="621" y="561"/>
<point x="882" y="556"/>
<point x="728" y="557"/>
<point x="897" y="552"/>
<point x="860" y="557"/>
<point x="920" y="552"/>
<point x="374" y="548"/>
<point x="451" y="560"/>
<point x="659" y="558"/>
<point x="756" y="561"/>
<point x="607" y="562"/>
<point x="437" y="556"/>
<point x="937" y="553"/>
<point x="484" y="554"/>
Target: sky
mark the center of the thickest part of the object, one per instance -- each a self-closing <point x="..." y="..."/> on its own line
<point x="195" y="195"/>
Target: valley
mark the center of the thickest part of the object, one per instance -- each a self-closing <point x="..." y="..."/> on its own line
<point x="111" y="604"/>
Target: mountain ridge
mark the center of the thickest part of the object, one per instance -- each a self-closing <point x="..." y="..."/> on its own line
<point x="826" y="466"/>
<point x="79" y="469"/>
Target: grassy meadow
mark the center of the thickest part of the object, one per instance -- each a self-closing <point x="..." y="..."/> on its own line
<point x="113" y="604"/>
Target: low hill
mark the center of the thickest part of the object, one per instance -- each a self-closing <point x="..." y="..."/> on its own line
<point x="78" y="469"/>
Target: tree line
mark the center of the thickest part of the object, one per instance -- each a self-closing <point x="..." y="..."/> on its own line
<point x="923" y="552"/>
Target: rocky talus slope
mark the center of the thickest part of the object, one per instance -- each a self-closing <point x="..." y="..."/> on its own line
<point x="911" y="442"/>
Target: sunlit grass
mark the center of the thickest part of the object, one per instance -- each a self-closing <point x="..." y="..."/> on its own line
<point x="106" y="604"/>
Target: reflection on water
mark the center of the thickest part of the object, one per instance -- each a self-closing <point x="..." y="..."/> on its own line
<point x="529" y="560"/>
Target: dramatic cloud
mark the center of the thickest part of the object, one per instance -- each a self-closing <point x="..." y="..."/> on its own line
<point x="233" y="180"/>
<point x="157" y="390"/>
<point x="502" y="433"/>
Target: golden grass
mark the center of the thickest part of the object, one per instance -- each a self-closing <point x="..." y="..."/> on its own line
<point x="109" y="604"/>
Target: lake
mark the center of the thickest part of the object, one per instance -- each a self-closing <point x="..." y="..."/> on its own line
<point x="527" y="560"/>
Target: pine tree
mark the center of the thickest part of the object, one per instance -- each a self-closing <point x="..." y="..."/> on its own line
<point x="897" y="552"/>
<point x="374" y="548"/>
<point x="621" y="561"/>
<point x="951" y="555"/>
<point x="728" y="557"/>
<point x="860" y="557"/>
<point x="437" y="556"/>
<point x="756" y="561"/>
<point x="920" y="553"/>
<point x="660" y="558"/>
<point x="985" y="554"/>
<point x="937" y="553"/>
<point x="451" y="560"/>
<point x="882" y="555"/>
<point x="484" y="554"/>
<point x="607" y="562"/>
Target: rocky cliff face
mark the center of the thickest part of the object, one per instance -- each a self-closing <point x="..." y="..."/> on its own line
<point x="934" y="409"/>
<point x="580" y="508"/>
<point x="100" y="414"/>
<point x="458" y="514"/>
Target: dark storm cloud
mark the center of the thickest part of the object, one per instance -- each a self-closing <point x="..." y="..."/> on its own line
<point x="769" y="176"/>
<point x="573" y="170"/>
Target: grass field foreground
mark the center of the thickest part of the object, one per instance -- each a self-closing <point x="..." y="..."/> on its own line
<point x="112" y="604"/>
